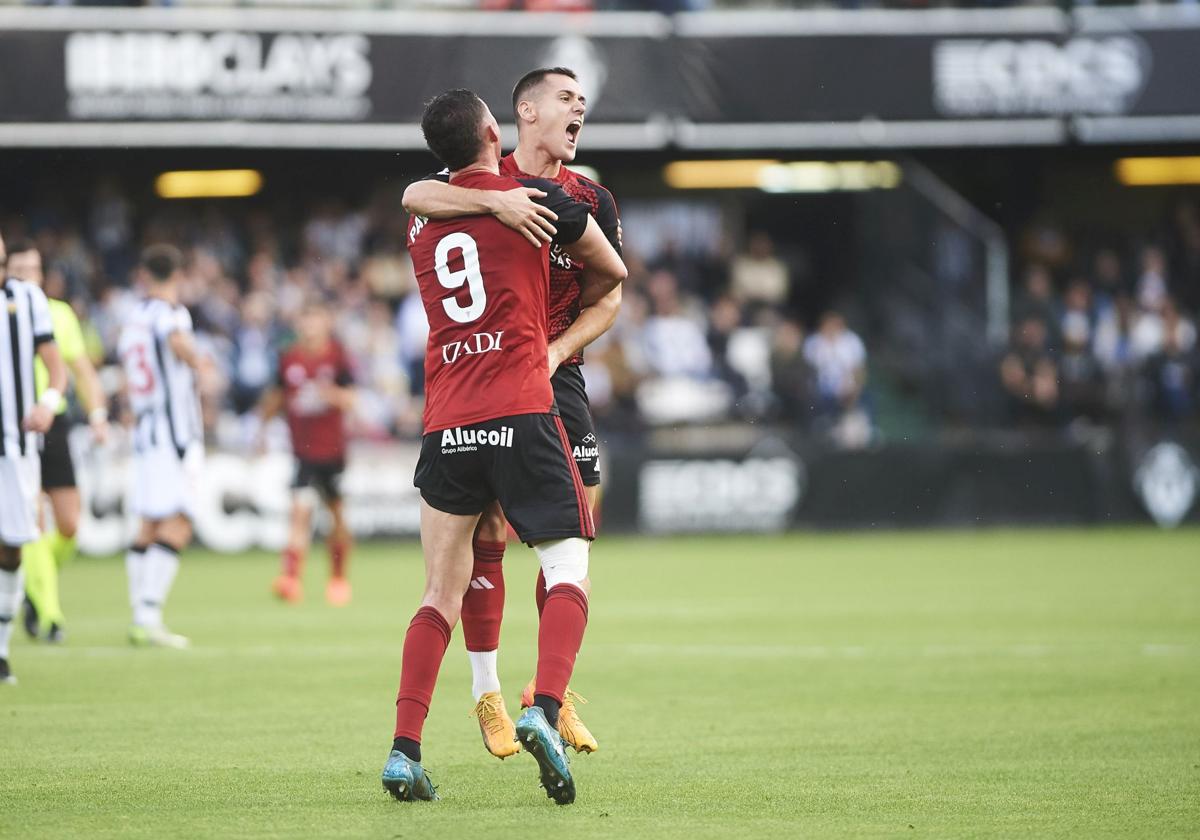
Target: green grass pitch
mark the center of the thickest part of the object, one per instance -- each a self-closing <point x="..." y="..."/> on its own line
<point x="969" y="684"/>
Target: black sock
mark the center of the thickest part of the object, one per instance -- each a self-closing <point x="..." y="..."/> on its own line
<point x="548" y="705"/>
<point x="409" y="747"/>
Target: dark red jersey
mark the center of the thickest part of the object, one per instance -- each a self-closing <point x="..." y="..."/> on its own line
<point x="565" y="272"/>
<point x="485" y="291"/>
<point x="318" y="428"/>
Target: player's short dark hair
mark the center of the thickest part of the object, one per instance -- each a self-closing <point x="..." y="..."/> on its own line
<point x="534" y="78"/>
<point x="20" y="246"/>
<point x="452" y="125"/>
<point x="162" y="261"/>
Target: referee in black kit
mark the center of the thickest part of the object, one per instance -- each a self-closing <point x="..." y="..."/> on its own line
<point x="25" y="332"/>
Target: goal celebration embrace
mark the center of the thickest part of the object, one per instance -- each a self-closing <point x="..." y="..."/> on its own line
<point x="498" y="449"/>
<point x="610" y="419"/>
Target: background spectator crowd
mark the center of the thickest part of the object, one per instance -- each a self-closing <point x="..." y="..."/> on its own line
<point x="1110" y="335"/>
<point x="701" y="338"/>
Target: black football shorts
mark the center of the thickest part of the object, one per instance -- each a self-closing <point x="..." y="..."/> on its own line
<point x="524" y="461"/>
<point x="58" y="470"/>
<point x="576" y="412"/>
<point x="323" y="476"/>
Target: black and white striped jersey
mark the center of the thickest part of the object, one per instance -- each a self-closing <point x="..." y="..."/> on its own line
<point x="162" y="388"/>
<point x="24" y="326"/>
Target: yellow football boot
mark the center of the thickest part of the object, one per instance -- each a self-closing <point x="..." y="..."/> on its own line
<point x="499" y="733"/>
<point x="570" y="727"/>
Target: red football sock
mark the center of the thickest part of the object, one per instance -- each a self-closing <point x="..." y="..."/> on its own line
<point x="424" y="646"/>
<point x="293" y="562"/>
<point x="560" y="635"/>
<point x="483" y="603"/>
<point x="539" y="594"/>
<point x="339" y="553"/>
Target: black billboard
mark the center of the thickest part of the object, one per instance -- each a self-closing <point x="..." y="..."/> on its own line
<point x="720" y="80"/>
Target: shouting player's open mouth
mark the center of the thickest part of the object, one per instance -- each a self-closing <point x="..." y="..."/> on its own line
<point x="573" y="129"/>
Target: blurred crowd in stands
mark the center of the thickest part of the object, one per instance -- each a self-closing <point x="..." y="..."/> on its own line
<point x="683" y="350"/>
<point x="1106" y="334"/>
<point x="700" y="337"/>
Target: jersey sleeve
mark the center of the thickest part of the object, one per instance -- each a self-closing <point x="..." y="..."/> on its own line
<point x="607" y="217"/>
<point x="443" y="176"/>
<point x="68" y="335"/>
<point x="572" y="215"/>
<point x="39" y="315"/>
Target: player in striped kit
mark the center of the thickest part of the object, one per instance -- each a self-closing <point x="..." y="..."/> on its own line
<point x="41" y="559"/>
<point x="26" y="333"/>
<point x="159" y="357"/>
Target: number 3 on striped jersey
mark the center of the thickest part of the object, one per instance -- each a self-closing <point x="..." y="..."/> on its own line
<point x="469" y="274"/>
<point x="142" y="380"/>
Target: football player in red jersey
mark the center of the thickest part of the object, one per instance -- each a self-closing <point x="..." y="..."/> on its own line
<point x="549" y="106"/>
<point x="492" y="432"/>
<point x="315" y="388"/>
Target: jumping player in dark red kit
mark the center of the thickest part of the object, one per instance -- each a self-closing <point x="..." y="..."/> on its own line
<point x="492" y="433"/>
<point x="315" y="388"/>
<point x="549" y="106"/>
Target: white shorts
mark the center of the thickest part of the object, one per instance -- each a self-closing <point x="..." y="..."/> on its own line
<point x="164" y="484"/>
<point x="20" y="486"/>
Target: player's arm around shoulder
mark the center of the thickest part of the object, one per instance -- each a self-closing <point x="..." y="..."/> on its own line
<point x="604" y="270"/>
<point x="581" y="236"/>
<point x="435" y="198"/>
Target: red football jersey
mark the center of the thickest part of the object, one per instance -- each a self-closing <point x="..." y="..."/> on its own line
<point x="318" y="428"/>
<point x="564" y="272"/>
<point x="485" y="291"/>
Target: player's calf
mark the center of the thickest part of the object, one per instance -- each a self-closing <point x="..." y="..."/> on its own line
<point x="564" y="617"/>
<point x="11" y="593"/>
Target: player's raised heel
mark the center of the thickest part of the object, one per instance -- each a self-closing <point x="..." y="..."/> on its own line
<point x="499" y="733"/>
<point x="406" y="780"/>
<point x="541" y="741"/>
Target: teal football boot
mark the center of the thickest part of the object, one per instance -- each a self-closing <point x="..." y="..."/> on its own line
<point x="543" y="742"/>
<point x="406" y="779"/>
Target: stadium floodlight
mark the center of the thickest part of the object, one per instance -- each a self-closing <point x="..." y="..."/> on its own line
<point x="837" y="176"/>
<point x="774" y="176"/>
<point x="209" y="183"/>
<point x="1157" y="171"/>
<point x="715" y="174"/>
